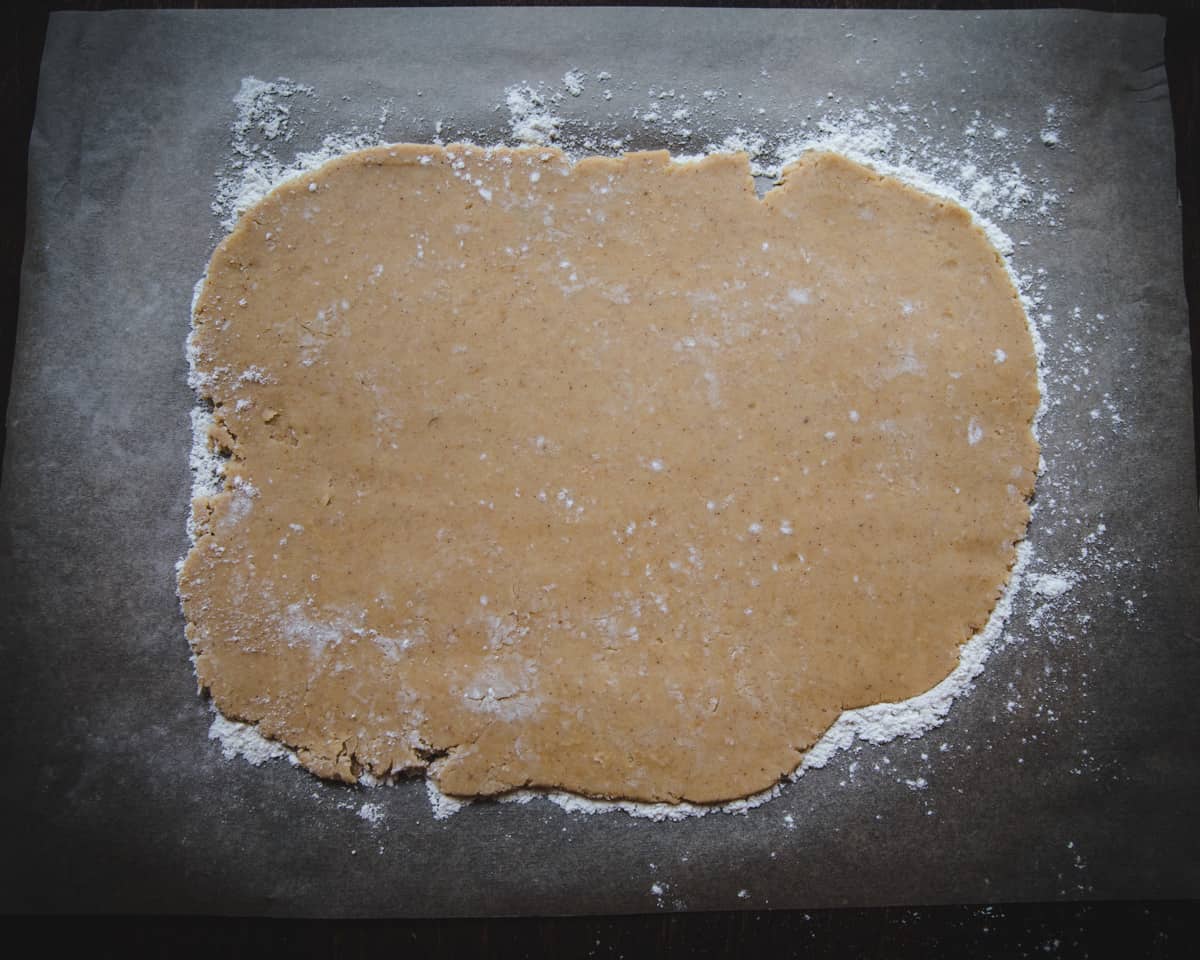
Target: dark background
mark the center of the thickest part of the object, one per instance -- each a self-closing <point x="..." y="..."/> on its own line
<point x="1129" y="929"/>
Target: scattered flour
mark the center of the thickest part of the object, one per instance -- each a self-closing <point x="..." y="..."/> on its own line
<point x="265" y="116"/>
<point x="974" y="167"/>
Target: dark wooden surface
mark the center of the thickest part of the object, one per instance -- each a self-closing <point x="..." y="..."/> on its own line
<point x="1131" y="931"/>
<point x="1128" y="929"/>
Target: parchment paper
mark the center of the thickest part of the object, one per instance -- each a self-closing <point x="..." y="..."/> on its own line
<point x="1070" y="772"/>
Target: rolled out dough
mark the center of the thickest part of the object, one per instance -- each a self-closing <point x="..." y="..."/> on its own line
<point x="606" y="476"/>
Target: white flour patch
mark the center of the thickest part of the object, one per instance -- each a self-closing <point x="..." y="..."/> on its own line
<point x="208" y="468"/>
<point x="1053" y="584"/>
<point x="531" y="120"/>
<point x="371" y="812"/>
<point x="573" y="82"/>
<point x="243" y="740"/>
<point x="943" y="148"/>
<point x="443" y="806"/>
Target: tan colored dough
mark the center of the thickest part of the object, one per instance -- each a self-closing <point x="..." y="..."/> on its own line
<point x="610" y="476"/>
